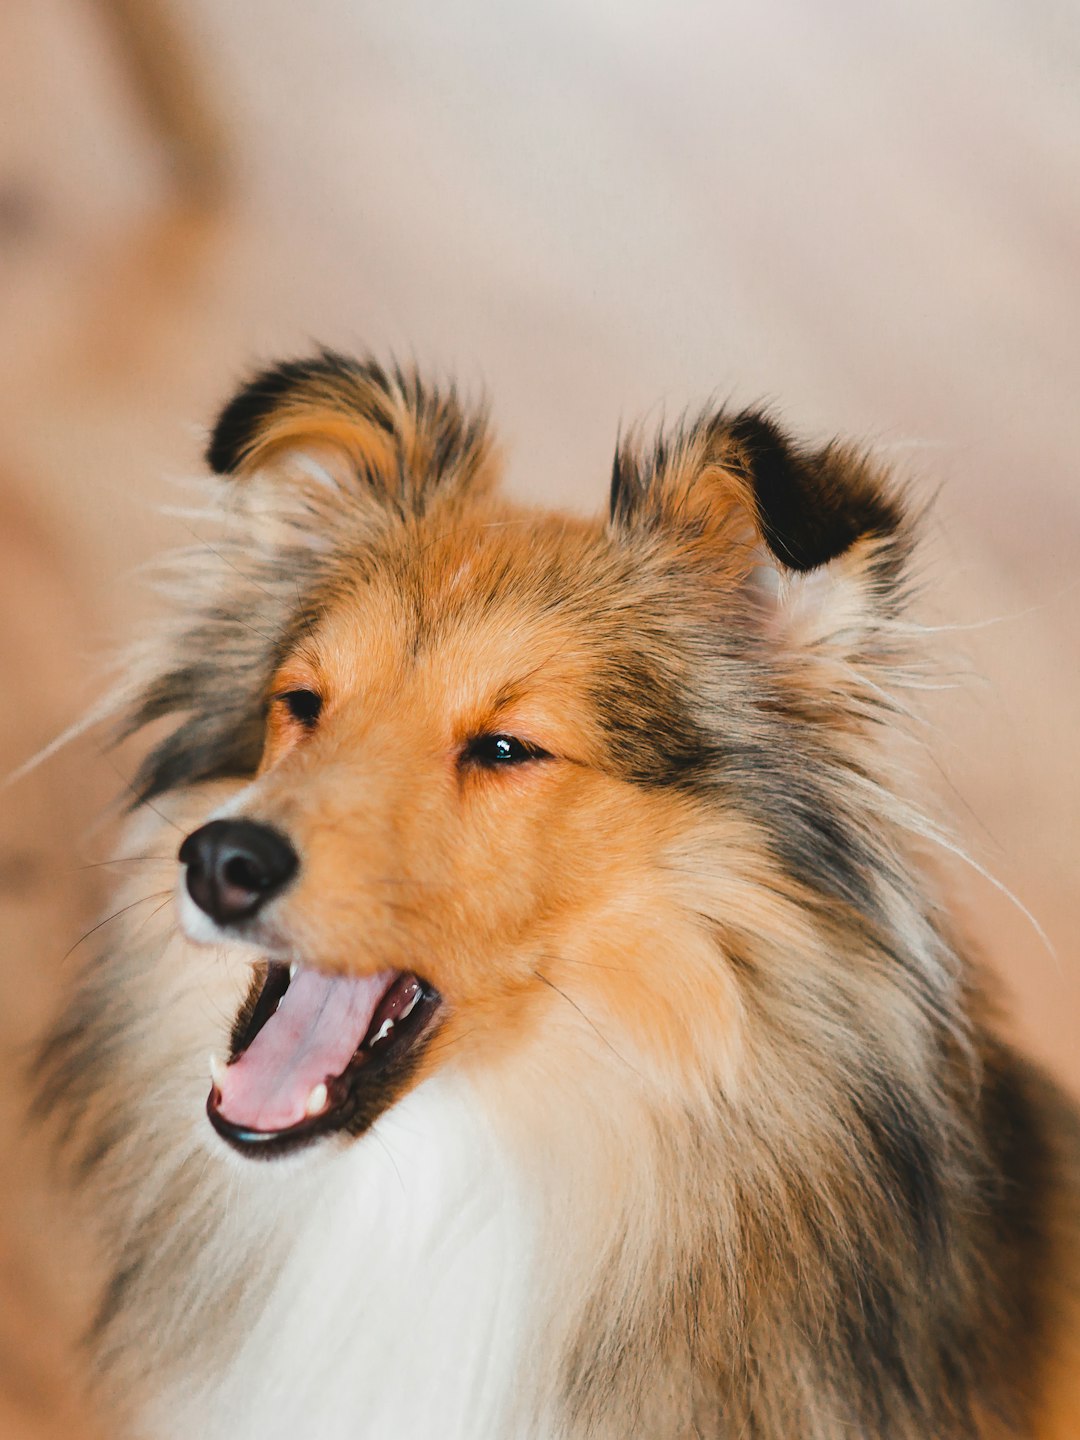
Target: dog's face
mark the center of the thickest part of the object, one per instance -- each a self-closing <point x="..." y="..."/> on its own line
<point x="494" y="746"/>
<point x="449" y="756"/>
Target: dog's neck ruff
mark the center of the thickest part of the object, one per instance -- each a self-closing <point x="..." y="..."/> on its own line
<point x="398" y="1309"/>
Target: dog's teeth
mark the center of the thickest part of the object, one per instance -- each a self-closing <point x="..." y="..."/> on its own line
<point x="316" y="1101"/>
<point x="217" y="1072"/>
<point x="412" y="1003"/>
<point x="293" y="969"/>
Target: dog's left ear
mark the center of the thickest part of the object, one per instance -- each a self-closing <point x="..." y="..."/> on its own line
<point x="818" y="535"/>
<point x="341" y="421"/>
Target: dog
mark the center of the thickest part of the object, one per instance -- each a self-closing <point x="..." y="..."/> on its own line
<point x="591" y="1053"/>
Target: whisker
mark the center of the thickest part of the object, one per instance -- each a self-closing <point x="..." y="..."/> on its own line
<point x="931" y="832"/>
<point x="374" y="1132"/>
<point x="590" y="964"/>
<point x="238" y="620"/>
<point x="211" y="1007"/>
<point x="244" y="575"/>
<point x="407" y="880"/>
<point x="309" y="625"/>
<point x="127" y="860"/>
<point x="592" y="1025"/>
<point x="141" y="799"/>
<point x="440" y="1044"/>
<point x="115" y="916"/>
<point x="146" y="919"/>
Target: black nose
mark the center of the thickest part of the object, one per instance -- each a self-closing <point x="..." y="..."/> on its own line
<point x="235" y="866"/>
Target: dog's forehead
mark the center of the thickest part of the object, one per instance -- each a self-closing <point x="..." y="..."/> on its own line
<point x="522" y="566"/>
<point x="514" y="555"/>
<point x="522" y="593"/>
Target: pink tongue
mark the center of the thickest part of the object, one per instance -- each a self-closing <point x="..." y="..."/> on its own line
<point x="318" y="1026"/>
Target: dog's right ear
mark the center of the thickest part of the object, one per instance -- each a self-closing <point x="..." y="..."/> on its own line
<point x="342" y="420"/>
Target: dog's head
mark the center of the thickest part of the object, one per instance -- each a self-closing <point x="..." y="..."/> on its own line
<point x="501" y="766"/>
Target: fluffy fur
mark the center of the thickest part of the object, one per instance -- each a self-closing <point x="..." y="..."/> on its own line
<point x="715" y="1139"/>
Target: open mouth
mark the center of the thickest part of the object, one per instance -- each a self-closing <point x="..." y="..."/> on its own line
<point x="312" y="1054"/>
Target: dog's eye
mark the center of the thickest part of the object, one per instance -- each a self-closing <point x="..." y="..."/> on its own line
<point x="494" y="751"/>
<point x="302" y="705"/>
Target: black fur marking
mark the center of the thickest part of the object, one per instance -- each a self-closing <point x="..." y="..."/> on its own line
<point x="810" y="837"/>
<point x="222" y="745"/>
<point x="654" y="739"/>
<point x="635" y="478"/>
<point x="812" y="505"/>
<point x="622" y="491"/>
<point x="1017" y="1102"/>
<point x="238" y="425"/>
<point x="217" y="688"/>
<point x="873" y="1346"/>
<point x="434" y="439"/>
<point x="909" y="1166"/>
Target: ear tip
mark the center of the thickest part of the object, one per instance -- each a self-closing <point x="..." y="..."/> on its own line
<point x="234" y="432"/>
<point x="813" y="504"/>
<point x="223" y="450"/>
<point x="237" y="425"/>
<point x="387" y="425"/>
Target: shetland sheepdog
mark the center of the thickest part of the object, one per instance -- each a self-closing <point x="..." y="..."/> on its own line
<point x="590" y="1052"/>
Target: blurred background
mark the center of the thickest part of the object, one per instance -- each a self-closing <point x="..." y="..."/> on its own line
<point x="867" y="215"/>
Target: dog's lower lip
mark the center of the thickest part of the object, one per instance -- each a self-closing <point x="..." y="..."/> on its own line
<point x="349" y="1101"/>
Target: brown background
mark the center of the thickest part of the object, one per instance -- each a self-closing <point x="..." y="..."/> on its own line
<point x="868" y="214"/>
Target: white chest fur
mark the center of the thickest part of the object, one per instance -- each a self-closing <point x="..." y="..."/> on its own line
<point x="400" y="1309"/>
